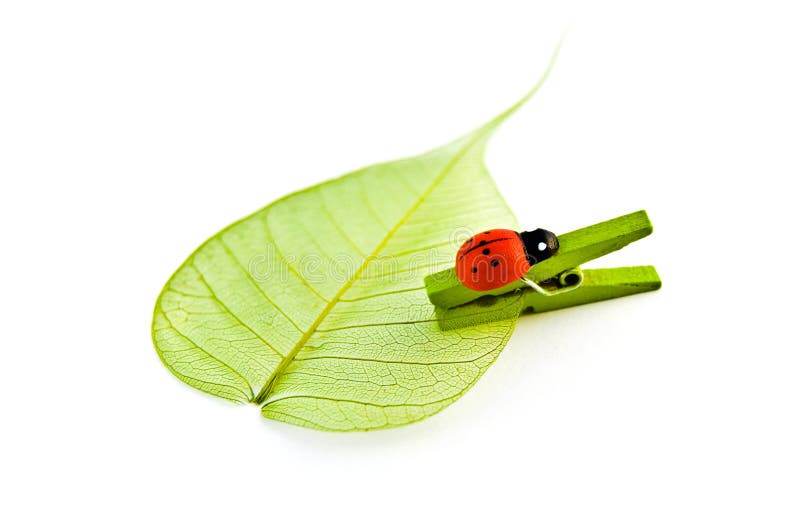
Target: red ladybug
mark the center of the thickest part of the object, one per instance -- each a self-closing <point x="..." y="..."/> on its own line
<point x="495" y="258"/>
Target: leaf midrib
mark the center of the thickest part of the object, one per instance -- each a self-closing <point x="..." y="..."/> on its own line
<point x="290" y="357"/>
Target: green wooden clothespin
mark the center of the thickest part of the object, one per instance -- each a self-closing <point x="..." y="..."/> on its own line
<point x="561" y="277"/>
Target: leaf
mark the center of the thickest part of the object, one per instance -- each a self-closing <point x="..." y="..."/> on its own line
<point x="314" y="307"/>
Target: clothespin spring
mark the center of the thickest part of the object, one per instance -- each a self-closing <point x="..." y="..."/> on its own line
<point x="569" y="281"/>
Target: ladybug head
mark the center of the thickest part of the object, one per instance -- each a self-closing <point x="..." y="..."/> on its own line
<point x="539" y="244"/>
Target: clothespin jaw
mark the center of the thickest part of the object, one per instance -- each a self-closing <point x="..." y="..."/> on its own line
<point x="560" y="273"/>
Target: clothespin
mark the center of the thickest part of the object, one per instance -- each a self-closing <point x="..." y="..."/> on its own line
<point x="560" y="276"/>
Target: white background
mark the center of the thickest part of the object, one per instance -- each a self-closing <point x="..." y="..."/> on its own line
<point x="132" y="131"/>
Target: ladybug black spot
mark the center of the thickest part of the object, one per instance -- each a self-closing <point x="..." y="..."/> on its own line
<point x="495" y="263"/>
<point x="487" y="233"/>
<point x="482" y="243"/>
<point x="486" y="251"/>
<point x="474" y="269"/>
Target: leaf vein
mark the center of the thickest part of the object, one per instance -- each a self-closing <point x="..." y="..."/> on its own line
<point x="232" y="314"/>
<point x="179" y="333"/>
<point x="258" y="287"/>
<point x="286" y="262"/>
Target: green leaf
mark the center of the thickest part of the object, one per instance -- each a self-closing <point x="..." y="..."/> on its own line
<point x="314" y="307"/>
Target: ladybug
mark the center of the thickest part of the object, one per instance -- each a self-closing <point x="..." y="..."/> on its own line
<point x="495" y="258"/>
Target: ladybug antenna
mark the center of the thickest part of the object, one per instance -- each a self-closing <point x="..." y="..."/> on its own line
<point x="539" y="244"/>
